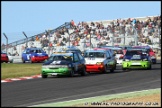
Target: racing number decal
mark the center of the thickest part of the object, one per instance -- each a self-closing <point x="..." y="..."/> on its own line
<point x="56" y="62"/>
<point x="28" y="57"/>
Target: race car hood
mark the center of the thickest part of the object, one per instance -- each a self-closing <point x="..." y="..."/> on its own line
<point x="93" y="60"/>
<point x="62" y="62"/>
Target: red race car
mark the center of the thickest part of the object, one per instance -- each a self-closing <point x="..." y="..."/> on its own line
<point x="4" y="57"/>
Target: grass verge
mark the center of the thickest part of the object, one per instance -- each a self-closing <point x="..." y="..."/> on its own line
<point x="11" y="70"/>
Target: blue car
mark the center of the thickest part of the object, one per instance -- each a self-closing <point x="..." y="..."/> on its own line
<point x="72" y="49"/>
<point x="149" y="51"/>
<point x="130" y="52"/>
<point x="34" y="55"/>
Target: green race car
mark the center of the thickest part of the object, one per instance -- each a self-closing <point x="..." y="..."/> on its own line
<point x="136" y="59"/>
<point x="64" y="64"/>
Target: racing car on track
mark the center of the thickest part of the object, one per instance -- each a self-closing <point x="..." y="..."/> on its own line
<point x="34" y="55"/>
<point x="150" y="52"/>
<point x="64" y="64"/>
<point x="118" y="54"/>
<point x="111" y="52"/>
<point x="98" y="61"/>
<point x="72" y="49"/>
<point x="4" y="57"/>
<point x="136" y="59"/>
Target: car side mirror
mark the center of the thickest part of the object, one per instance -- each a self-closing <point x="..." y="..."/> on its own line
<point x="108" y="57"/>
<point x="75" y="61"/>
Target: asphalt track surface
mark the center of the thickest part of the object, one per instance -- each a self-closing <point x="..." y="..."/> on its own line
<point x="57" y="89"/>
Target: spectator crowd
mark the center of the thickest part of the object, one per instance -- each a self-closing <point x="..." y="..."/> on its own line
<point x="148" y="31"/>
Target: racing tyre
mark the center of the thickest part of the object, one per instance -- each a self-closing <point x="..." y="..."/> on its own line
<point x="83" y="73"/>
<point x="115" y="66"/>
<point x="30" y="60"/>
<point x="150" y="67"/>
<point x="154" y="62"/>
<point x="123" y="69"/>
<point x="44" y="76"/>
<point x="11" y="61"/>
<point x="105" y="68"/>
<point x="23" y="60"/>
<point x="71" y="73"/>
<point x="111" y="70"/>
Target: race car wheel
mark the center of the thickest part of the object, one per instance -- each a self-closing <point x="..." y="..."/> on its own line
<point x="30" y="60"/>
<point x="23" y="60"/>
<point x="111" y="70"/>
<point x="154" y="62"/>
<point x="44" y="76"/>
<point x="150" y="67"/>
<point x="105" y="69"/>
<point x="115" y="66"/>
<point x="123" y="69"/>
<point x="11" y="61"/>
<point x="83" y="73"/>
<point x="71" y="73"/>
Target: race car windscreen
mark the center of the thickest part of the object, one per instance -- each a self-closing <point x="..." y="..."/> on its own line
<point x="118" y="51"/>
<point x="135" y="52"/>
<point x="136" y="57"/>
<point x="94" y="54"/>
<point x="65" y="57"/>
<point x="36" y="51"/>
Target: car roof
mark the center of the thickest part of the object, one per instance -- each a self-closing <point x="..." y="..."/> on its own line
<point x="106" y="46"/>
<point x="95" y="51"/>
<point x="61" y="53"/>
<point x="137" y="49"/>
<point x="141" y="46"/>
<point x="116" y="48"/>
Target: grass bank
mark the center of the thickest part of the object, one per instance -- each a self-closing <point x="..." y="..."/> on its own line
<point x="11" y="70"/>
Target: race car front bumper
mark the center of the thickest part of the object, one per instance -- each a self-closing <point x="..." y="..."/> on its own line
<point x="136" y="65"/>
<point x="4" y="59"/>
<point x="94" y="68"/>
<point x="56" y="71"/>
<point x="39" y="58"/>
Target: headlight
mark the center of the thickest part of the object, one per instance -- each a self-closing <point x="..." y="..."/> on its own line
<point x="145" y="59"/>
<point x="126" y="59"/>
<point x="99" y="63"/>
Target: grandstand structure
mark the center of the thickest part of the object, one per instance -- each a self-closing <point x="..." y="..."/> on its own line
<point x="47" y="38"/>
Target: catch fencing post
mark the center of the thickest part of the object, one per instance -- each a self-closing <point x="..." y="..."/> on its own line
<point x="6" y="41"/>
<point x="47" y="35"/>
<point x="26" y="39"/>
